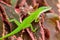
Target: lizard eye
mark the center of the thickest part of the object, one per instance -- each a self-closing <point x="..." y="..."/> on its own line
<point x="46" y="7"/>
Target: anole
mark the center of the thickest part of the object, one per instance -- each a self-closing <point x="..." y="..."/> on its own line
<point x="27" y="21"/>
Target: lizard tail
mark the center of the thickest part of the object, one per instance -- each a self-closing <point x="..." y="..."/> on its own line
<point x="12" y="33"/>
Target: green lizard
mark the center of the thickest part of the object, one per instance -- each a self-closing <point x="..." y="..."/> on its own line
<point x="27" y="21"/>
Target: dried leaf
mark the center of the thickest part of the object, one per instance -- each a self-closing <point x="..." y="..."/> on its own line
<point x="13" y="3"/>
<point x="10" y="12"/>
<point x="1" y="26"/>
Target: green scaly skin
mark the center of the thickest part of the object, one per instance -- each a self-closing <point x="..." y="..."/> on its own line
<point x="27" y="21"/>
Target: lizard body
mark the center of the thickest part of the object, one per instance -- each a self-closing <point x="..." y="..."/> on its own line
<point x="27" y="21"/>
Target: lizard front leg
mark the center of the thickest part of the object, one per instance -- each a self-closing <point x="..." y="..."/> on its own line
<point x="33" y="29"/>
